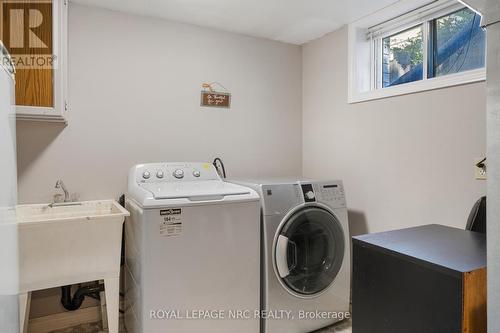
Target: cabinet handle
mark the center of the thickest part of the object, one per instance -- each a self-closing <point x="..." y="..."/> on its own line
<point x="6" y="59"/>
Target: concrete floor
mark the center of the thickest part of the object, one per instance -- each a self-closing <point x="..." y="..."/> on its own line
<point x="85" y="328"/>
<point x="343" y="327"/>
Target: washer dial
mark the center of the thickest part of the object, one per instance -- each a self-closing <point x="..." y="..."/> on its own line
<point x="179" y="173"/>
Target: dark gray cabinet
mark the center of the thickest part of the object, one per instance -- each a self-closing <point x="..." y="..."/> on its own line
<point x="428" y="279"/>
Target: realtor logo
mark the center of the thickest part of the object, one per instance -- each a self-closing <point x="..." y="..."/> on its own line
<point x="27" y="32"/>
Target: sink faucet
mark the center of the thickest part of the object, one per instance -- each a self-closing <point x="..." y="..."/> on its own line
<point x="60" y="184"/>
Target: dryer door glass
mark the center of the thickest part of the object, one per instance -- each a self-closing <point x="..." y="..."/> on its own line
<point x="309" y="251"/>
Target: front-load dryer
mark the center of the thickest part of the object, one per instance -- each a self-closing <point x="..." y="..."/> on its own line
<point x="305" y="255"/>
<point x="192" y="251"/>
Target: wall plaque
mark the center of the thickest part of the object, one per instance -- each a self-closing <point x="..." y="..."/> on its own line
<point x="215" y="99"/>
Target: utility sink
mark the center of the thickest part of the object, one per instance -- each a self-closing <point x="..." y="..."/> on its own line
<point x="68" y="244"/>
<point x="60" y="245"/>
<point x="87" y="210"/>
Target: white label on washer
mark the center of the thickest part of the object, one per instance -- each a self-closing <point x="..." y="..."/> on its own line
<point x="171" y="222"/>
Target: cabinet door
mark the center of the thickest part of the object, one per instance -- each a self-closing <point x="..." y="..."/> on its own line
<point x="393" y="294"/>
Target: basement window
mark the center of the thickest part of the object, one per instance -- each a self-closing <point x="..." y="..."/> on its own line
<point x="436" y="45"/>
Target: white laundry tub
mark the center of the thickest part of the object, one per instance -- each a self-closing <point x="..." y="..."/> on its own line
<point x="63" y="245"/>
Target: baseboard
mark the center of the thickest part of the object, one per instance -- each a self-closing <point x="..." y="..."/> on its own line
<point x="64" y="320"/>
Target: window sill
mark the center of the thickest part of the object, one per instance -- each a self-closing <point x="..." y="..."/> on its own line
<point x="421" y="86"/>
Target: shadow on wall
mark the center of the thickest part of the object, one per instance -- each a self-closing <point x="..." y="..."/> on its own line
<point x="32" y="140"/>
<point x="357" y="226"/>
<point x="357" y="223"/>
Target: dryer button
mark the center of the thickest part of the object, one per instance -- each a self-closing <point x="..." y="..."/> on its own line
<point x="310" y="195"/>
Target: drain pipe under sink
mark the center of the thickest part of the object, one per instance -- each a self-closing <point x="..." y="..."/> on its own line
<point x="72" y="303"/>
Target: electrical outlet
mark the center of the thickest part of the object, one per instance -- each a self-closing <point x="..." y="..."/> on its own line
<point x="480" y="172"/>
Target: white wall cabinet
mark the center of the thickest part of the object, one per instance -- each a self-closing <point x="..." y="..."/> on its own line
<point x="35" y="33"/>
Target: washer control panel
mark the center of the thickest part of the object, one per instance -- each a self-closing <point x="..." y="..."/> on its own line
<point x="179" y="173"/>
<point x="174" y="172"/>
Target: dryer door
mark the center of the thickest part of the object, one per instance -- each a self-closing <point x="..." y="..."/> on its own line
<point x="309" y="251"/>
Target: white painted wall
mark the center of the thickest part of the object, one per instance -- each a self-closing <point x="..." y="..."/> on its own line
<point x="134" y="85"/>
<point x="493" y="174"/>
<point x="405" y="160"/>
<point x="9" y="278"/>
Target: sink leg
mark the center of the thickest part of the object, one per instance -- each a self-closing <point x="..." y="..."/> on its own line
<point x="104" y="314"/>
<point x="24" y="311"/>
<point x="112" y="291"/>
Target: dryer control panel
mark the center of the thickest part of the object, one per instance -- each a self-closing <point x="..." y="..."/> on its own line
<point x="174" y="172"/>
<point x="331" y="193"/>
<point x="308" y="192"/>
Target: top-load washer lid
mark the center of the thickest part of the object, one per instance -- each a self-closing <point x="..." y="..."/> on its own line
<point x="195" y="191"/>
<point x="155" y="185"/>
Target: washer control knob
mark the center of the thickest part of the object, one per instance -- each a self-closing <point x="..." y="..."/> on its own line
<point x="179" y="173"/>
<point x="310" y="195"/>
<point x="146" y="175"/>
<point x="159" y="174"/>
<point x="196" y="173"/>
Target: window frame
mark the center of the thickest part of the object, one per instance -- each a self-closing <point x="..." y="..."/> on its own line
<point x="390" y="21"/>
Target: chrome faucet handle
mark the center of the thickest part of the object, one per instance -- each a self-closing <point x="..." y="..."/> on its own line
<point x="60" y="185"/>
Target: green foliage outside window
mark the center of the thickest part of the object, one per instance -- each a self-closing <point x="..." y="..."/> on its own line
<point x="411" y="49"/>
<point x="447" y="27"/>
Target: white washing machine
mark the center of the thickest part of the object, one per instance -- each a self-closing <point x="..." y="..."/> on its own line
<point x="192" y="251"/>
<point x="305" y="255"/>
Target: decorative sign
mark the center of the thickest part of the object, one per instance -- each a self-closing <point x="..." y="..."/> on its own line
<point x="215" y="99"/>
